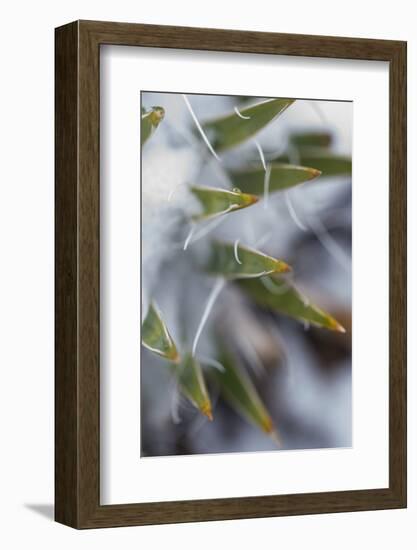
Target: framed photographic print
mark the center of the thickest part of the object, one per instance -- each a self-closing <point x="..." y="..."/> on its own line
<point x="230" y="274"/>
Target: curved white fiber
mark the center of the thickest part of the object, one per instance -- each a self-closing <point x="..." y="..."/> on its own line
<point x="253" y="275"/>
<point x="200" y="129"/>
<point x="255" y="361"/>
<point x="215" y="221"/>
<point x="211" y="363"/>
<point x="209" y="306"/>
<point x="235" y="247"/>
<point x="329" y="243"/>
<point x="261" y="153"/>
<point x="266" y="185"/>
<point x="293" y="213"/>
<point x="189" y="237"/>
<point x="239" y="114"/>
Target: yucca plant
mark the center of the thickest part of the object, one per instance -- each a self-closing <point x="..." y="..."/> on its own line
<point x="188" y="211"/>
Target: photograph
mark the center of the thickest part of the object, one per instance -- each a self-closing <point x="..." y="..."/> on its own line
<point x="209" y="258"/>
<point x="246" y="273"/>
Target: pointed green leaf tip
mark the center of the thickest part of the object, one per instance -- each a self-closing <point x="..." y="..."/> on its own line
<point x="282" y="176"/>
<point x="220" y="201"/>
<point x="231" y="130"/>
<point x="150" y="121"/>
<point x="277" y="294"/>
<point x="155" y="336"/>
<point x="238" y="390"/>
<point x="192" y="384"/>
<point x="234" y="261"/>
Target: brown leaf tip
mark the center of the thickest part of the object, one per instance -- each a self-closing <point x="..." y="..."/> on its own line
<point x="270" y="429"/>
<point x="336" y="326"/>
<point x="315" y="173"/>
<point x="283" y="267"/>
<point x="206" y="410"/>
<point x="252" y="199"/>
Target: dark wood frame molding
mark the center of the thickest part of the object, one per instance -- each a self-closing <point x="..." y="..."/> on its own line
<point x="77" y="405"/>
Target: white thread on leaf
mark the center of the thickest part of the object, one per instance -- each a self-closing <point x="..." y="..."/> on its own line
<point x="200" y="129"/>
<point x="209" y="306"/>
<point x="266" y="185"/>
<point x="253" y="275"/>
<point x="215" y="220"/>
<point x="235" y="247"/>
<point x="261" y="153"/>
<point x="239" y="114"/>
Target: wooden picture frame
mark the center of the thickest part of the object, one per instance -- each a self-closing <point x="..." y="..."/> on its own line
<point x="77" y="405"/>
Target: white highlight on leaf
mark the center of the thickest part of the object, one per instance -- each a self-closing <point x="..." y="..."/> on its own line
<point x="200" y="129"/>
<point x="261" y="153"/>
<point x="239" y="114"/>
<point x="209" y="306"/>
<point x="266" y="185"/>
<point x="293" y="213"/>
<point x="235" y="247"/>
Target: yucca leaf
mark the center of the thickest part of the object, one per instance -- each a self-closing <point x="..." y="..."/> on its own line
<point x="281" y="176"/>
<point x="311" y="139"/>
<point x="155" y="335"/>
<point x="150" y="121"/>
<point x="277" y="294"/>
<point x="328" y="163"/>
<point x="230" y="130"/>
<point x="235" y="261"/>
<point x="192" y="385"/>
<point x="220" y="201"/>
<point x="238" y="390"/>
